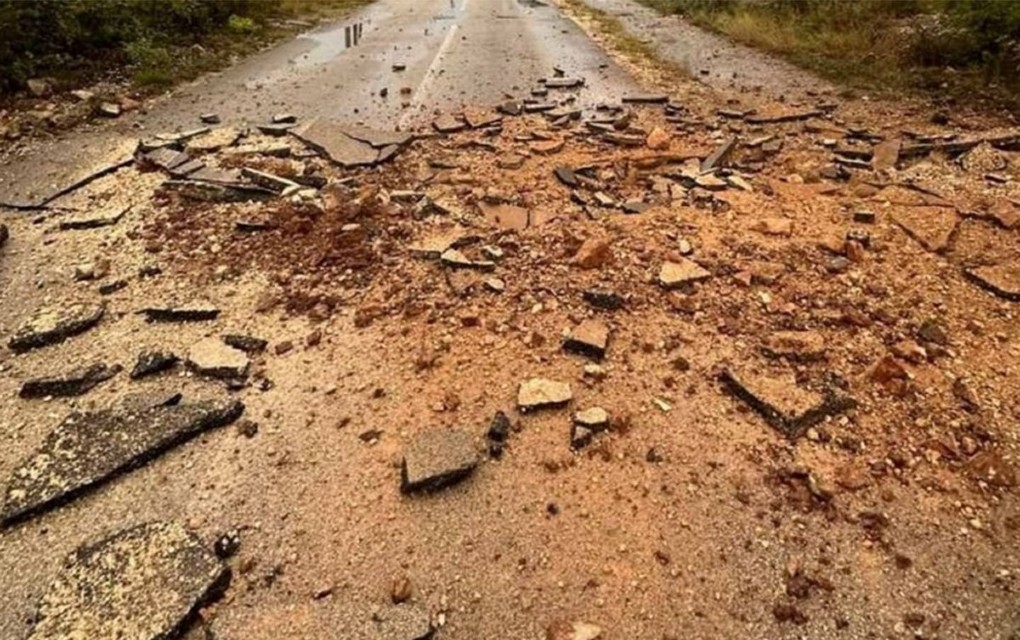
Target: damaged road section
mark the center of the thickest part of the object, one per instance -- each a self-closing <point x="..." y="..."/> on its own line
<point x="144" y="583"/>
<point x="87" y="449"/>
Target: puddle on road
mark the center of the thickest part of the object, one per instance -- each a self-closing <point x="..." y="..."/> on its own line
<point x="330" y="43"/>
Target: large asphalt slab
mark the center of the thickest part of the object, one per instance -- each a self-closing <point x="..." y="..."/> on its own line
<point x="455" y="52"/>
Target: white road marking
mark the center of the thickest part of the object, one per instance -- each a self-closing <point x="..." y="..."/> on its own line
<point x="418" y="99"/>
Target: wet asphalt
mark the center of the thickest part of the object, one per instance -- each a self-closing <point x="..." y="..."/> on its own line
<point x="391" y="64"/>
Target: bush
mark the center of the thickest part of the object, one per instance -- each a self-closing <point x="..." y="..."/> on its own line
<point x="42" y="36"/>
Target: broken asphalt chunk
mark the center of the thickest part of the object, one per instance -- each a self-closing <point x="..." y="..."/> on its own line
<point x="1002" y="280"/>
<point x="74" y="383"/>
<point x="437" y="458"/>
<point x="87" y="449"/>
<point x="51" y="325"/>
<point x="145" y="583"/>
<point x="248" y="344"/>
<point x="457" y="260"/>
<point x="338" y="142"/>
<point x="784" y="405"/>
<point x="677" y="274"/>
<point x="718" y="158"/>
<point x="92" y="222"/>
<point x="214" y="358"/>
<point x="541" y="393"/>
<point x="607" y="300"/>
<point x="197" y="312"/>
<point x="590" y="338"/>
<point x="447" y="123"/>
<point x="646" y="98"/>
<point x="152" y="362"/>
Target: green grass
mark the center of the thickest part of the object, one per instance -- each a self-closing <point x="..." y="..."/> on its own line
<point x="956" y="47"/>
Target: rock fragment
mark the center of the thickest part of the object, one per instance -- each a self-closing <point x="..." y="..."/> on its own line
<point x="144" y="583"/>
<point x="152" y="362"/>
<point x="74" y="383"/>
<point x="719" y="156"/>
<point x="437" y="458"/>
<point x="590" y="338"/>
<point x="796" y="345"/>
<point x="51" y="325"/>
<point x="248" y="344"/>
<point x="593" y="254"/>
<point x="784" y="405"/>
<point x="674" y="275"/>
<point x="87" y="449"/>
<point x="542" y="393"/>
<point x="563" y="630"/>
<point x="595" y="418"/>
<point x="195" y="312"/>
<point x="214" y="358"/>
<point x="1002" y="280"/>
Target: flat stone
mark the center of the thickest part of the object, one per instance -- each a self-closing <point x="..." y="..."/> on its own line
<point x="784" y="405"/>
<point x="438" y="458"/>
<point x="624" y="139"/>
<point x="796" y="345"/>
<point x="143" y="583"/>
<point x="566" y="175"/>
<point x="511" y="161"/>
<point x="541" y="393"/>
<point x="87" y="449"/>
<point x="719" y="156"/>
<point x="773" y="226"/>
<point x="886" y="154"/>
<point x="214" y="358"/>
<point x="329" y="138"/>
<point x="74" y="383"/>
<point x="710" y="183"/>
<point x="213" y="140"/>
<point x="477" y="117"/>
<point x="1002" y="279"/>
<point x="378" y="138"/>
<point x="195" y="312"/>
<point x="677" y="274"/>
<point x="51" y="325"/>
<point x="548" y="147"/>
<point x="248" y="344"/>
<point x="457" y="260"/>
<point x="153" y="362"/>
<point x="595" y="418"/>
<point x="646" y="98"/>
<point x="274" y="183"/>
<point x="209" y="118"/>
<point x="275" y="130"/>
<point x="433" y="247"/>
<point x="1004" y="213"/>
<point x="92" y="221"/>
<point x="165" y="158"/>
<point x="933" y="227"/>
<point x="447" y="123"/>
<point x="590" y="338"/>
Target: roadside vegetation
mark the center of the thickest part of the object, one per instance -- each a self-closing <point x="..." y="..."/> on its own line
<point x="151" y="44"/>
<point x="943" y="45"/>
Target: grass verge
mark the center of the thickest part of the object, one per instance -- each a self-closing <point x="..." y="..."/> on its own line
<point x="941" y="47"/>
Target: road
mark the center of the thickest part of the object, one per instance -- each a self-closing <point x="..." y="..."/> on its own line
<point x="455" y="52"/>
<point x="805" y="352"/>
